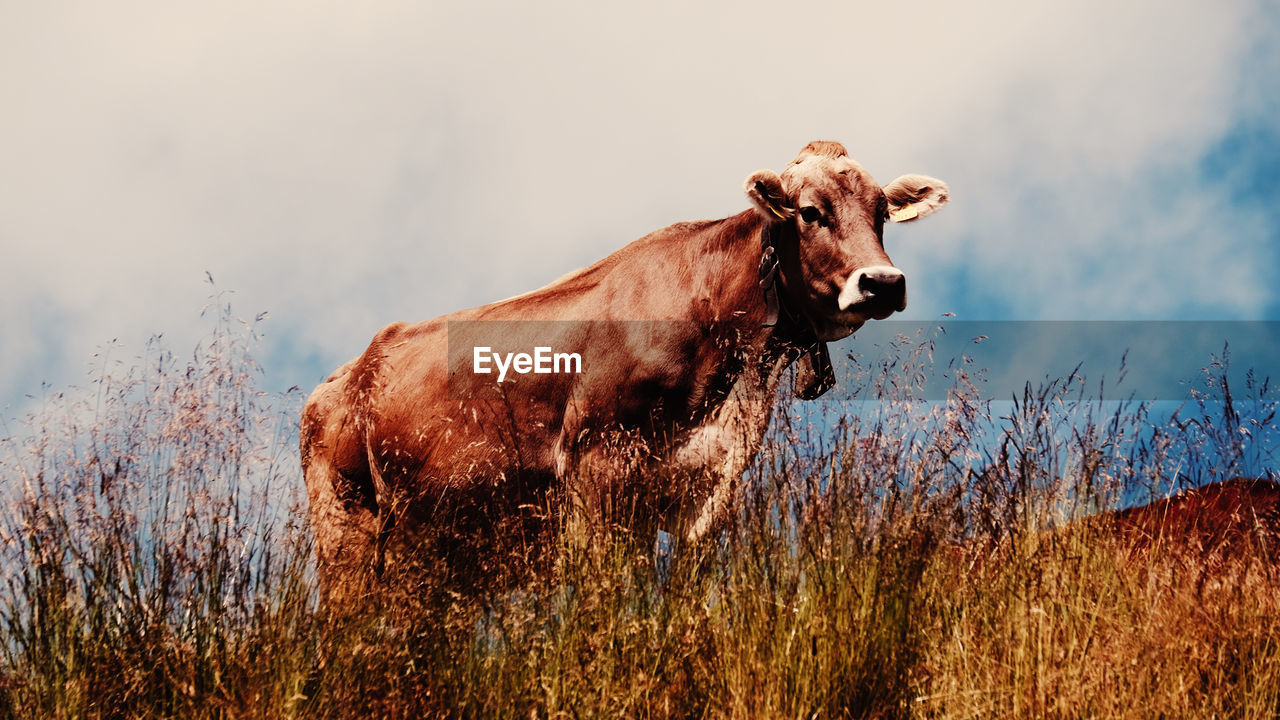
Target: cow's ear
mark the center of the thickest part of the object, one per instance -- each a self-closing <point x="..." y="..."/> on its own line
<point x="764" y="187"/>
<point x="912" y="197"/>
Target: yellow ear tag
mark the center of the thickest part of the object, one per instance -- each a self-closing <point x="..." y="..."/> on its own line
<point x="906" y="212"/>
<point x="777" y="212"/>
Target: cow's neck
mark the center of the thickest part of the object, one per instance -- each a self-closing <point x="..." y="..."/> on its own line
<point x="712" y="276"/>
<point x="728" y="284"/>
<point x="725" y="279"/>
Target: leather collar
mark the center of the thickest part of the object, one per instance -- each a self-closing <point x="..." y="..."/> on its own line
<point x="815" y="375"/>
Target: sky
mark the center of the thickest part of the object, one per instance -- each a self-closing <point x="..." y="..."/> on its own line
<point x="343" y="165"/>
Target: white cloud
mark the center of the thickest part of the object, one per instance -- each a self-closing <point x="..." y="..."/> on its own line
<point x="345" y="165"/>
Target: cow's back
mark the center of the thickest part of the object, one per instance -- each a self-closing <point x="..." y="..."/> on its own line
<point x="422" y="411"/>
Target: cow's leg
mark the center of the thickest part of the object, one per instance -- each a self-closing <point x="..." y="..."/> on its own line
<point x="345" y="531"/>
<point x="719" y="452"/>
<point x="605" y="480"/>
<point x="339" y="495"/>
<point x="593" y="473"/>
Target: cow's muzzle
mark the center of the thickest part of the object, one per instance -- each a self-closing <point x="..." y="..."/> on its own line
<point x="876" y="291"/>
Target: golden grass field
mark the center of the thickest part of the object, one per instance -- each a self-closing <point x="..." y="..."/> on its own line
<point x="899" y="559"/>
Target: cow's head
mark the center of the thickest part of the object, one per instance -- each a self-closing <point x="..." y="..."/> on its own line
<point x="826" y="215"/>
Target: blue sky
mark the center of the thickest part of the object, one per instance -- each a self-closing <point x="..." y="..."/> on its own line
<point x="343" y="165"/>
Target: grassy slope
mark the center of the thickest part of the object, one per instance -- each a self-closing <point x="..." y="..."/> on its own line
<point x="899" y="561"/>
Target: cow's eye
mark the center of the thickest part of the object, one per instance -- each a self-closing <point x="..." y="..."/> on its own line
<point x="810" y="214"/>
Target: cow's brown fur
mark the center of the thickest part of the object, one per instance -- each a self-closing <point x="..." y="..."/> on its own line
<point x="405" y="442"/>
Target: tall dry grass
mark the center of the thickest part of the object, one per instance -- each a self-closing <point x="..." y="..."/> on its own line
<point x="154" y="561"/>
<point x="889" y="557"/>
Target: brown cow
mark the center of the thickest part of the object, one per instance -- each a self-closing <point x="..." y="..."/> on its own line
<point x="680" y="340"/>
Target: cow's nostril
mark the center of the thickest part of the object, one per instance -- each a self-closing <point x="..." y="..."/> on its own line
<point x="882" y="283"/>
